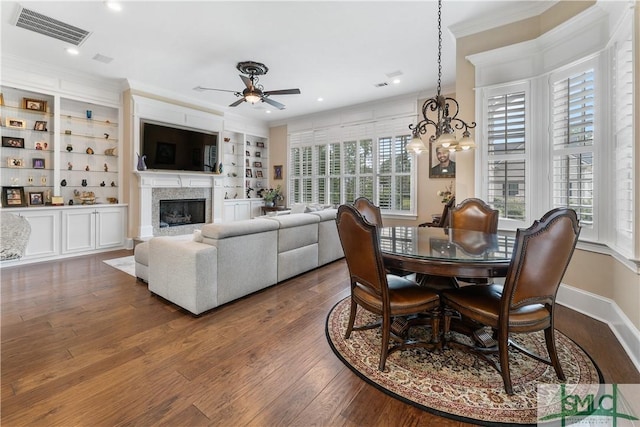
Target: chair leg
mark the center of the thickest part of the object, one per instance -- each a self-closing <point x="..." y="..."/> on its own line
<point x="435" y="326"/>
<point x="549" y="337"/>
<point x="503" y="350"/>
<point x="352" y="319"/>
<point x="386" y="334"/>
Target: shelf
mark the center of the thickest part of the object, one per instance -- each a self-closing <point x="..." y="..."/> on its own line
<point x="92" y="121"/>
<point x="98" y="138"/>
<point x="20" y="111"/>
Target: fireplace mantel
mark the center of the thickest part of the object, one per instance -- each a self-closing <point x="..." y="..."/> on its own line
<point x="150" y="179"/>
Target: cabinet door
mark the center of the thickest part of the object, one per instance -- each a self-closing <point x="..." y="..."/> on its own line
<point x="256" y="208"/>
<point x="78" y="230"/>
<point x="110" y="227"/>
<point x="44" y="240"/>
<point x="243" y="211"/>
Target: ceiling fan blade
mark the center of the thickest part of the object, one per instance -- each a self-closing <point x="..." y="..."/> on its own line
<point x="238" y="102"/>
<point x="247" y="81"/>
<point x="283" y="92"/>
<point x="274" y="103"/>
<point x="200" y="89"/>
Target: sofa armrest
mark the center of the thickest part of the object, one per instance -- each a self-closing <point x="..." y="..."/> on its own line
<point x="184" y="272"/>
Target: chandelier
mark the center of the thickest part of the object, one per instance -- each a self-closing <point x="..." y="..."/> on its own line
<point x="444" y="115"/>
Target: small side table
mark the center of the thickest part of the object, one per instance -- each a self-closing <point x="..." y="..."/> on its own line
<point x="266" y="209"/>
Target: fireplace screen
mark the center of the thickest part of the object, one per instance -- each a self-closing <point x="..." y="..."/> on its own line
<point x="182" y="212"/>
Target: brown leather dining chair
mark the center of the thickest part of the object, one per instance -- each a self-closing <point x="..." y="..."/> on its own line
<point x="526" y="303"/>
<point x="386" y="295"/>
<point x="441" y="221"/>
<point x="368" y="210"/>
<point x="474" y="214"/>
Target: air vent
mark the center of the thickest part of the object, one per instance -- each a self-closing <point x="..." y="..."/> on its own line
<point x="102" y="58"/>
<point x="383" y="84"/>
<point x="45" y="25"/>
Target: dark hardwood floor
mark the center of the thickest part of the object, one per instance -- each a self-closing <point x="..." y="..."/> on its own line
<point x="84" y="344"/>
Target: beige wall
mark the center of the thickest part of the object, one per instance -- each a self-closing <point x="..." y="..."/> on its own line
<point x="592" y="272"/>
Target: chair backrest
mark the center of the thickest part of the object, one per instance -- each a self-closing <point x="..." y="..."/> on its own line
<point x="474" y="214"/>
<point x="540" y="258"/>
<point x="444" y="219"/>
<point x="361" y="248"/>
<point x="368" y="210"/>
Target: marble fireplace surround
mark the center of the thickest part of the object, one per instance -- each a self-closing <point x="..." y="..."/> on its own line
<point x="172" y="185"/>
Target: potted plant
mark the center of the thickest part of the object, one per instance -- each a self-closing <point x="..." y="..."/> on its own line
<point x="272" y="196"/>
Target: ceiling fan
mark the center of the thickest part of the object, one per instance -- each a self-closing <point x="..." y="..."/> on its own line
<point x="254" y="92"/>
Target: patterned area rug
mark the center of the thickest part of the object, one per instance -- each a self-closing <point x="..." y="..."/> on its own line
<point x="456" y="384"/>
<point x="126" y="264"/>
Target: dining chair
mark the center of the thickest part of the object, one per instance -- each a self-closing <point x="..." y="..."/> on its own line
<point x="389" y="296"/>
<point x="442" y="220"/>
<point x="526" y="302"/>
<point x="474" y="214"/>
<point x="368" y="210"/>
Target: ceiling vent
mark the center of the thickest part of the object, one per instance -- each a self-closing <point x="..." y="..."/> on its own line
<point x="383" y="84"/>
<point x="102" y="58"/>
<point x="45" y="25"/>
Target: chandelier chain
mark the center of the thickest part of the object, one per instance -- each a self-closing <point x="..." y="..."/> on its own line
<point x="439" y="45"/>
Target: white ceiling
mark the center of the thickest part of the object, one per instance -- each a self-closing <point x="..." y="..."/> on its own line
<point x="335" y="50"/>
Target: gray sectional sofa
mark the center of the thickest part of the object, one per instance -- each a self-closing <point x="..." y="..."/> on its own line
<point x="227" y="261"/>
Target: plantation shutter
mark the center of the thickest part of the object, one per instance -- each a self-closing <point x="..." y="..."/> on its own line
<point x="572" y="121"/>
<point x="623" y="121"/>
<point x="506" y="152"/>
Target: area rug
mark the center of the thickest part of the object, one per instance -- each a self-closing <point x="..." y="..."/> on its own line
<point x="126" y="264"/>
<point x="453" y="383"/>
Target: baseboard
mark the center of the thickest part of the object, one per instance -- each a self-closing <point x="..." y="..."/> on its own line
<point x="607" y="311"/>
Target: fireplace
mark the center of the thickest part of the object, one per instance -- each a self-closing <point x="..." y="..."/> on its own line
<point x="178" y="212"/>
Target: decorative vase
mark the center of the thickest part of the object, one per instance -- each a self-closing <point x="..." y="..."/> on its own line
<point x="141" y="164"/>
<point x="270" y="203"/>
<point x="63" y="183"/>
<point x="69" y="147"/>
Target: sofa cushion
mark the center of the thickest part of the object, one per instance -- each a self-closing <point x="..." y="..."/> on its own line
<point x="238" y="228"/>
<point x="297" y="208"/>
<point x="326" y="214"/>
<point x="296" y="231"/>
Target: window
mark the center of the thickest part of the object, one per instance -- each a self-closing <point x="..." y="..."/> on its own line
<point x="368" y="160"/>
<point x="506" y="151"/>
<point x="572" y="140"/>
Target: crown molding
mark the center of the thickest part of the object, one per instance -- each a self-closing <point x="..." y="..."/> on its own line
<point x="512" y="12"/>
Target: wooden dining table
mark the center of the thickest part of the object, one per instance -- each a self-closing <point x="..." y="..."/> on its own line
<point x="447" y="251"/>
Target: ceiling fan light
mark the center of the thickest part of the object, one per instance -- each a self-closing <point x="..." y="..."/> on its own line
<point x="252" y="98"/>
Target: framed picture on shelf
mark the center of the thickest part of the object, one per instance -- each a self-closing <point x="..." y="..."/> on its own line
<point x="258" y="154"/>
<point x="260" y="144"/>
<point x="277" y="172"/>
<point x="257" y="164"/>
<point x="258" y="173"/>
<point x="34" y="104"/>
<point x="248" y="173"/>
<point x="13" y="162"/>
<point x="11" y="142"/>
<point x="247" y="163"/>
<point x="41" y="145"/>
<point x="40" y="125"/>
<point x="13" y="197"/>
<point x="38" y="163"/>
<point x="15" y="123"/>
<point x="36" y="198"/>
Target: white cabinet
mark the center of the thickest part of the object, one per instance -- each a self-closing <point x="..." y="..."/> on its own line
<point x="256" y="208"/>
<point x="236" y="210"/>
<point x="92" y="228"/>
<point x="44" y="240"/>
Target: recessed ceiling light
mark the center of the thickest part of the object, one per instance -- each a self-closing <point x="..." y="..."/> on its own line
<point x="114" y="5"/>
<point x="320" y="99"/>
<point x="396" y="81"/>
<point x="73" y="51"/>
<point x="268" y="111"/>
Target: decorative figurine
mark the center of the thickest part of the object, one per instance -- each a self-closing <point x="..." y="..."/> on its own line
<point x="141" y="164"/>
<point x="69" y="147"/>
<point x="87" y="168"/>
<point x="106" y="136"/>
<point x="69" y="166"/>
<point x="70" y="202"/>
<point x="102" y="184"/>
<point x="113" y="183"/>
<point x="89" y="150"/>
<point x="63" y="183"/>
<point x="106" y="167"/>
<point x="84" y="182"/>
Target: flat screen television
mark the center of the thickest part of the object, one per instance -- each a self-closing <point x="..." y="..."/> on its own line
<point x="174" y="148"/>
